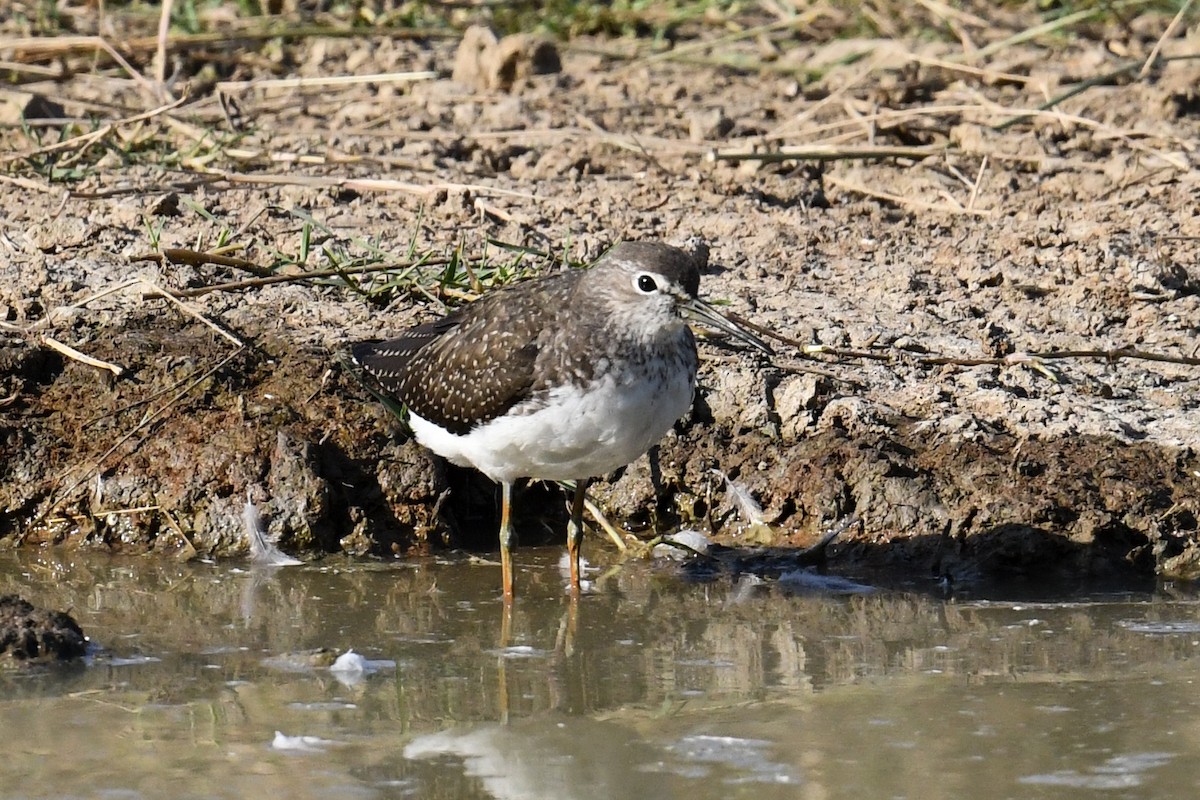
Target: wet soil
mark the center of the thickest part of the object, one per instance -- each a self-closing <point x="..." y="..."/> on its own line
<point x="926" y="280"/>
<point x="29" y="634"/>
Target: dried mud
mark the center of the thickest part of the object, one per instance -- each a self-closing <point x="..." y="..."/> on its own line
<point x="1070" y="236"/>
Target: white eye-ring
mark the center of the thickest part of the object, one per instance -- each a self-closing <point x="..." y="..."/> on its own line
<point x="644" y="282"/>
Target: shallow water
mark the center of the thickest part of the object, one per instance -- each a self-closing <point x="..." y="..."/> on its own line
<point x="649" y="686"/>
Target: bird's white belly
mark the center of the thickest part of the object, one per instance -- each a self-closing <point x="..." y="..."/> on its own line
<point x="575" y="435"/>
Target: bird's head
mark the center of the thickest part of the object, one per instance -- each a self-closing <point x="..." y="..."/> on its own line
<point x="650" y="287"/>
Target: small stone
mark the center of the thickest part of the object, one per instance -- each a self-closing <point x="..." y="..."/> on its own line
<point x="704" y="126"/>
<point x="485" y="63"/>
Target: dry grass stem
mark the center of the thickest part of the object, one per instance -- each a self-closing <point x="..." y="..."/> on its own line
<point x="362" y="184"/>
<point x="949" y="13"/>
<point x="84" y="141"/>
<point x="1054" y="25"/>
<point x="889" y="117"/>
<point x="605" y="525"/>
<point x="254" y="283"/>
<point x="1020" y="357"/>
<point x="105" y="512"/>
<point x="194" y="258"/>
<point x="983" y="73"/>
<point x="160" y="52"/>
<point x="827" y="153"/>
<point x="196" y="315"/>
<point x="978" y="182"/>
<point x="1167" y="34"/>
<point x="323" y="82"/>
<point x="36" y="49"/>
<point x="28" y="183"/>
<point x="860" y="75"/>
<point x="83" y="358"/>
<point x="703" y="45"/>
<point x="905" y="202"/>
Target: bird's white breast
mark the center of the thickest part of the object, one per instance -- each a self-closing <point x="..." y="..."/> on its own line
<point x="571" y="433"/>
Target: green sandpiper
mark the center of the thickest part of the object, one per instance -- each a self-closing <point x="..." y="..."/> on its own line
<point x="565" y="377"/>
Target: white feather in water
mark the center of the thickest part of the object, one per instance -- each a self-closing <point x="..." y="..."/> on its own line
<point x="262" y="552"/>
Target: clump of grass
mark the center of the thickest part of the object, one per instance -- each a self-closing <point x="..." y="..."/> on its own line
<point x="319" y="255"/>
<point x="445" y="276"/>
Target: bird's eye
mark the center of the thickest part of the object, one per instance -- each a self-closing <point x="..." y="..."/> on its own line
<point x="646" y="284"/>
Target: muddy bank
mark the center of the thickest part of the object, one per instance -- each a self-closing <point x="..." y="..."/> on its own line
<point x="932" y="282"/>
<point x="290" y="429"/>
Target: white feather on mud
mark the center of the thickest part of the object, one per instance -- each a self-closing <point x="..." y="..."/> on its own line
<point x="262" y="552"/>
<point x="756" y="529"/>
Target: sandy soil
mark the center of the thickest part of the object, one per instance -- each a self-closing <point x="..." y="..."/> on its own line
<point x="927" y="275"/>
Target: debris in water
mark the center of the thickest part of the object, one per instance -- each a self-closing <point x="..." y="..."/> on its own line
<point x="808" y="582"/>
<point x="349" y="661"/>
<point x="351" y="669"/>
<point x="564" y="567"/>
<point x="300" y="744"/>
<point x="681" y="545"/>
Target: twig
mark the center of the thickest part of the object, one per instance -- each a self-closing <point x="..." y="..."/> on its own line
<point x="604" y="524"/>
<point x="826" y="153"/>
<point x="1079" y="88"/>
<point x="1053" y="25"/>
<point x="88" y="139"/>
<point x="195" y="258"/>
<point x="1107" y="355"/>
<point x="253" y="283"/>
<point x="903" y="201"/>
<point x="322" y="82"/>
<point x="361" y="184"/>
<point x="978" y="182"/>
<point x="193" y="314"/>
<point x="83" y="358"/>
<point x="1019" y="357"/>
<point x="160" y="54"/>
<point x="1167" y="34"/>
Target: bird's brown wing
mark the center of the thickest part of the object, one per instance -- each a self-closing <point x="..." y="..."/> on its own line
<point x="475" y="364"/>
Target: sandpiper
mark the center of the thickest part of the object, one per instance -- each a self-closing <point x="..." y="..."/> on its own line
<point x="565" y="377"/>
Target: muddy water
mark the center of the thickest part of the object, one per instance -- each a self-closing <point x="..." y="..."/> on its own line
<point x="650" y="686"/>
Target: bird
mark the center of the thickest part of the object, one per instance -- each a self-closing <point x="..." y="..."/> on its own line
<point x="565" y="377"/>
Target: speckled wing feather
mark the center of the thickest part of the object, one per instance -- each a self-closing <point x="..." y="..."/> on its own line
<point x="475" y="364"/>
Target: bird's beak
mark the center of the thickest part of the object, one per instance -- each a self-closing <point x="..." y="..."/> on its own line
<point x="710" y="316"/>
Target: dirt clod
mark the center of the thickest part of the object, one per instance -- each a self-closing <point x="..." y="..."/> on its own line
<point x="29" y="634"/>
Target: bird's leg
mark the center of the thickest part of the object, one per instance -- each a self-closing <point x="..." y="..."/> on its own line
<point x="502" y="660"/>
<point x="575" y="531"/>
<point x="506" y="538"/>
